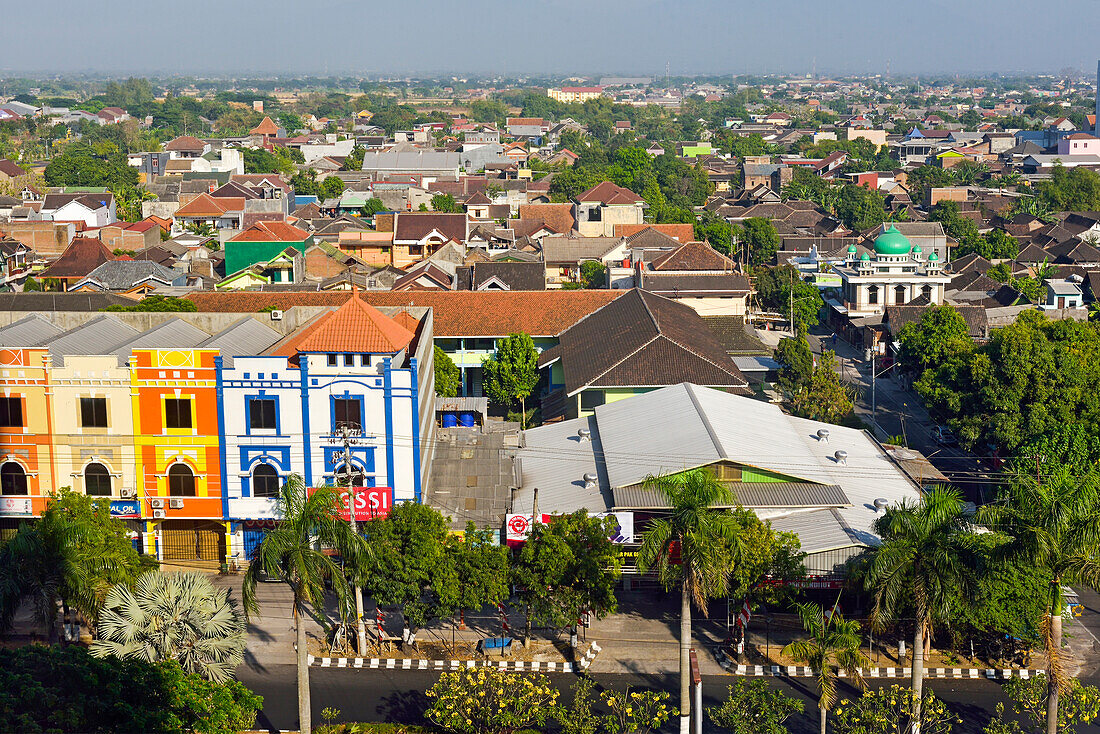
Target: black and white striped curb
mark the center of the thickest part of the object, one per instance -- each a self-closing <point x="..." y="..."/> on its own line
<point x="802" y="671"/>
<point x="518" y="666"/>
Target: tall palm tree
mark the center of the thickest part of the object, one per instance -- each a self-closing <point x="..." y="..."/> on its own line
<point x="695" y="547"/>
<point x="833" y="645"/>
<point x="292" y="553"/>
<point x="1054" y="524"/>
<point x="178" y="616"/>
<point x="927" y="554"/>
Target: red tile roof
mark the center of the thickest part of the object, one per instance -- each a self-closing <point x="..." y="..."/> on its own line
<point x="205" y="205"/>
<point x="266" y="127"/>
<point x="558" y="217"/>
<point x="271" y="232"/>
<point x="454" y="313"/>
<point x="683" y="232"/>
<point x="356" y="327"/>
<point x="526" y="121"/>
<point x="82" y="256"/>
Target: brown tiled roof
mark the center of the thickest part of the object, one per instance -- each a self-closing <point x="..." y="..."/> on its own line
<point x="693" y="256"/>
<point x="455" y="313"/>
<point x="681" y="232"/>
<point x="82" y="256"/>
<point x="558" y="217"/>
<point x="642" y="339"/>
<point x="685" y="284"/>
<point x="205" y="205"/>
<point x="11" y="168"/>
<point x="185" y="142"/>
<point x="266" y="127"/>
<point x="271" y="232"/>
<point x="609" y="193"/>
<point x="415" y="226"/>
<point x="355" y="327"/>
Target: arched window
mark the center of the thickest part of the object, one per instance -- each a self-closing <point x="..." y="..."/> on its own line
<point x="13" y="480"/>
<point x="265" y="481"/>
<point x="872" y="295"/>
<point x="181" y="482"/>
<point x="357" y="479"/>
<point x="97" y="481"/>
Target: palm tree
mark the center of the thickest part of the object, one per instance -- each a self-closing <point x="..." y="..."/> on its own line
<point x="292" y="553"/>
<point x="833" y="645"/>
<point x="707" y="544"/>
<point x="1054" y="524"/>
<point x="174" y="616"/>
<point x="926" y="554"/>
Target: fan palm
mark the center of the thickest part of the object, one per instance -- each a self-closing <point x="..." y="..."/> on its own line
<point x="174" y="616"/>
<point x="292" y="553"/>
<point x="1054" y="524"/>
<point x="927" y="554"/>
<point x="833" y="645"/>
<point x="695" y="548"/>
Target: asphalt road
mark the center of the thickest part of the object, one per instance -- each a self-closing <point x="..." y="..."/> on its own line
<point x="398" y="696"/>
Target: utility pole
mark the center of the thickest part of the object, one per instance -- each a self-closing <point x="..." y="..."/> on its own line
<point x="792" y="300"/>
<point x="360" y="626"/>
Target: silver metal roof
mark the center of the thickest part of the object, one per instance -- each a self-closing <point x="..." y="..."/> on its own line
<point x="244" y="338"/>
<point x="555" y="460"/>
<point x="101" y="335"/>
<point x="28" y="332"/>
<point x="174" y="333"/>
<point x="752" y="495"/>
<point x="818" y="531"/>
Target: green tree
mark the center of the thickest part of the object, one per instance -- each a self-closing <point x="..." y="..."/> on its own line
<point x="448" y="379"/>
<point x="773" y="290"/>
<point x="445" y="203"/>
<point x="833" y="641"/>
<point x="354" y="160"/>
<point x="940" y="332"/>
<point x="637" y="712"/>
<point x="1054" y="525"/>
<point x="859" y="207"/>
<point x="567" y="568"/>
<point x="825" y="398"/>
<point x="1069" y="189"/>
<point x="578" y="717"/>
<point x="927" y="554"/>
<point x="760" y="238"/>
<point x="1079" y="705"/>
<point x="292" y="554"/>
<point x="71" y="557"/>
<point x="372" y="207"/>
<point x="593" y="274"/>
<point x="754" y="707"/>
<point x="481" y="570"/>
<point x="177" y="616"/>
<point x="81" y="164"/>
<point x="157" y="303"/>
<point x="796" y="364"/>
<point x="331" y="187"/>
<point x="490" y="701"/>
<point x="53" y="689"/>
<point x="513" y="372"/>
<point x="709" y="547"/>
<point x="890" y="711"/>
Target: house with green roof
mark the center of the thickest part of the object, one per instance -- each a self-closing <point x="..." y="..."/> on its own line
<point x="263" y="243"/>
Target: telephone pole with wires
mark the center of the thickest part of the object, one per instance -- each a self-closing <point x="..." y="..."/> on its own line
<point x="357" y="591"/>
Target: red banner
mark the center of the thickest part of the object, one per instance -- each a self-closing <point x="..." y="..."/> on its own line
<point x="371" y="503"/>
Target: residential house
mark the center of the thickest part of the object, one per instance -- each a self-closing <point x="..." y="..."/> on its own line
<point x="599" y="209"/>
<point x="417" y="236"/>
<point x="263" y="242"/>
<point x="698" y="276"/>
<point x="81" y="257"/>
<point x="89" y="209"/>
<point x="186" y="147"/>
<point x="563" y="255"/>
<point x="13" y="177"/>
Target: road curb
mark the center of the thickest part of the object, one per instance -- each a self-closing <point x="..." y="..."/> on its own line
<point x="802" y="671"/>
<point x="517" y="666"/>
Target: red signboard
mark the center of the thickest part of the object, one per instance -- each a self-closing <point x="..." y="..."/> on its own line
<point x="371" y="503"/>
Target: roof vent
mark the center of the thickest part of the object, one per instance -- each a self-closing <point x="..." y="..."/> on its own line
<point x="590" y="480"/>
<point x="841" y="456"/>
<point x="823" y="435"/>
<point x="585" y="434"/>
<point x="881" y="503"/>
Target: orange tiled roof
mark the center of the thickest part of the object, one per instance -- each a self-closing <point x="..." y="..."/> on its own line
<point x="355" y="327"/>
<point x="266" y="127"/>
<point x="205" y="205"/>
<point x="271" y="232"/>
<point x="454" y="313"/>
<point x="685" y="233"/>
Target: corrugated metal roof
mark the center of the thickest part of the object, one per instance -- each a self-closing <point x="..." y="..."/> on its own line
<point x="555" y="460"/>
<point x="174" y="333"/>
<point x="27" y="332"/>
<point x="101" y="335"/>
<point x="748" y="494"/>
<point x="245" y="337"/>
<point x="818" y="531"/>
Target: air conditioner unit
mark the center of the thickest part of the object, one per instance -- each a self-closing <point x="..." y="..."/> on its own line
<point x="128" y="493"/>
<point x="276" y="315"/>
<point x="159" y="514"/>
<point x="175" y="504"/>
<point x="156" y="504"/>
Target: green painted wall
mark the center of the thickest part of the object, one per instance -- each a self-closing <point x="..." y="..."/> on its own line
<point x="750" y="474"/>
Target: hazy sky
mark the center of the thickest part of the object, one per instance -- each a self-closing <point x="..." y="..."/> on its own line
<point x="549" y="36"/>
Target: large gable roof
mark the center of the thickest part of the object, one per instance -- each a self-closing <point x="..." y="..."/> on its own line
<point x="414" y="226"/>
<point x="610" y="194"/>
<point x="271" y="232"/>
<point x="355" y="327"/>
<point x="81" y="257"/>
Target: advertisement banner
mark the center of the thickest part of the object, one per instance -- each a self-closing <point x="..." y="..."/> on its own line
<point x="624" y="532"/>
<point x="518" y="527"/>
<point x="125" y="508"/>
<point x="371" y="503"/>
<point x="15" y="505"/>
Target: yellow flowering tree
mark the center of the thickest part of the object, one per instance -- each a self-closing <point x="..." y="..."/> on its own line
<point x="890" y="711"/>
<point x="1077" y="706"/>
<point x="637" y="712"/>
<point x="490" y="701"/>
